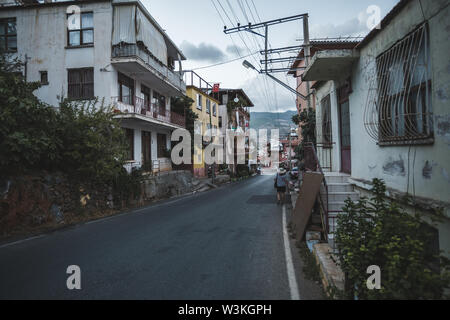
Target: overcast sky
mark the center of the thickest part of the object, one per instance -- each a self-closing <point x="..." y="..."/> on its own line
<point x="197" y="29"/>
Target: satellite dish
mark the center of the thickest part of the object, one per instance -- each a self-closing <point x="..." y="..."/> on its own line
<point x="236" y="100"/>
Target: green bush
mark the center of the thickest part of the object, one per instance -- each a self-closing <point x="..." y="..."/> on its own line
<point x="242" y="170"/>
<point x="28" y="139"/>
<point x="378" y="232"/>
<point x="92" y="143"/>
<point x="80" y="139"/>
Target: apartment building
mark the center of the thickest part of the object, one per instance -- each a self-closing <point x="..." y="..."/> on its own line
<point x="387" y="107"/>
<point x="234" y="115"/>
<point x="207" y="110"/>
<point x="110" y="49"/>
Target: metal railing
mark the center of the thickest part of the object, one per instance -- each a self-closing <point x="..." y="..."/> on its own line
<point x="191" y="78"/>
<point x="136" y="105"/>
<point x="312" y="163"/>
<point x="133" y="50"/>
<point x="153" y="167"/>
<point x="324" y="155"/>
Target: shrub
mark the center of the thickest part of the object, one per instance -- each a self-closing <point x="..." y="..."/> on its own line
<point x="92" y="143"/>
<point x="378" y="232"/>
<point x="27" y="126"/>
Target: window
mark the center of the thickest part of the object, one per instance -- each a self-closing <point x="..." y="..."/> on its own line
<point x="326" y="120"/>
<point x="198" y="128"/>
<point x="208" y="106"/>
<point x="8" y="35"/>
<point x="83" y="33"/>
<point x="126" y="89"/>
<point x="171" y="63"/>
<point x="220" y="121"/>
<point x="81" y="83"/>
<point x="214" y="109"/>
<point x="160" y="102"/>
<point x="199" y="101"/>
<point x="44" y="77"/>
<point x="162" y="141"/>
<point x="129" y="133"/>
<point x="146" y="96"/>
<point x="404" y="91"/>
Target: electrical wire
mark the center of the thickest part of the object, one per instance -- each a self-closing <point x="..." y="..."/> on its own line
<point x="224" y="62"/>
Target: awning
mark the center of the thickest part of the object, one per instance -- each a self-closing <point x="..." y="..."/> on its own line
<point x="153" y="40"/>
<point x="330" y="65"/>
<point x="131" y="25"/>
<point x="124" y="25"/>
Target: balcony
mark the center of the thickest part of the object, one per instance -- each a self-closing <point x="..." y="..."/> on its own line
<point x="131" y="58"/>
<point x="147" y="111"/>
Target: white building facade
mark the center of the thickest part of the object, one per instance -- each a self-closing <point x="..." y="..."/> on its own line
<point x="383" y="111"/>
<point x="110" y="49"/>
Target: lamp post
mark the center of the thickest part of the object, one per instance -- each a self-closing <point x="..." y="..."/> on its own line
<point x="292" y="133"/>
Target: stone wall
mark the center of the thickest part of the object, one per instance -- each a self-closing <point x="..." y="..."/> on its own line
<point x="32" y="202"/>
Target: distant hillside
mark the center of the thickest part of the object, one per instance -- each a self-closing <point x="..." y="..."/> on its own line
<point x="271" y="120"/>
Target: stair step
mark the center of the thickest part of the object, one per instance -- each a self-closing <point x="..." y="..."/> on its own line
<point x="315" y="219"/>
<point x="342" y="196"/>
<point x="336" y="206"/>
<point x="340" y="187"/>
<point x="336" y="179"/>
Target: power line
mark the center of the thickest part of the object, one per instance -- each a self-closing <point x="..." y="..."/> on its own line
<point x="224" y="62"/>
<point x="235" y="46"/>
<point x="270" y="97"/>
<point x="265" y="90"/>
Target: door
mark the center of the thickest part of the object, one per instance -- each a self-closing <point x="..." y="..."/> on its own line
<point x="146" y="147"/>
<point x="344" y="128"/>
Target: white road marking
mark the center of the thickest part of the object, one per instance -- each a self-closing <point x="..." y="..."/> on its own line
<point x="20" y="241"/>
<point x="295" y="295"/>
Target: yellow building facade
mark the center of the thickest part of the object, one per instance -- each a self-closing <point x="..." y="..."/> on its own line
<point x="207" y="109"/>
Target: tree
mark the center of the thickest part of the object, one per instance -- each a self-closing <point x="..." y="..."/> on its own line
<point x="28" y="138"/>
<point x="92" y="142"/>
<point x="307" y="122"/>
<point x="182" y="105"/>
<point x="81" y="139"/>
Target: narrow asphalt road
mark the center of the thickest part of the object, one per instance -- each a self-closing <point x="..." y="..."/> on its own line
<point x="223" y="244"/>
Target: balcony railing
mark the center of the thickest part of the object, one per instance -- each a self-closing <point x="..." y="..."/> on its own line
<point x="133" y="50"/>
<point x="136" y="105"/>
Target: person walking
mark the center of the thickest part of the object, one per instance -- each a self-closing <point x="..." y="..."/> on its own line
<point x="280" y="184"/>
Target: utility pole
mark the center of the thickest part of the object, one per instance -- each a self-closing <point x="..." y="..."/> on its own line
<point x="264" y="63"/>
<point x="307" y="49"/>
<point x="213" y="170"/>
<point x="290" y="146"/>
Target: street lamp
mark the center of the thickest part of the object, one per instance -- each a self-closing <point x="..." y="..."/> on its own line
<point x="248" y="65"/>
<point x="292" y="133"/>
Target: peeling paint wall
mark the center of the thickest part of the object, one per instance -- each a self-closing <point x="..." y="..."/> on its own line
<point x="422" y="168"/>
<point x="42" y="36"/>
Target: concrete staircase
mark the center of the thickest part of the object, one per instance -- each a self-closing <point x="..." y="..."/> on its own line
<point x="339" y="189"/>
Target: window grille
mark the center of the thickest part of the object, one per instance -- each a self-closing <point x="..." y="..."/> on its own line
<point x="398" y="108"/>
<point x="8" y="35"/>
<point x="326" y="120"/>
<point x="80" y="83"/>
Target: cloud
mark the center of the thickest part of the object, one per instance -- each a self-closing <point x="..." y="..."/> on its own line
<point x="233" y="50"/>
<point x="202" y="52"/>
<point x="353" y="27"/>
